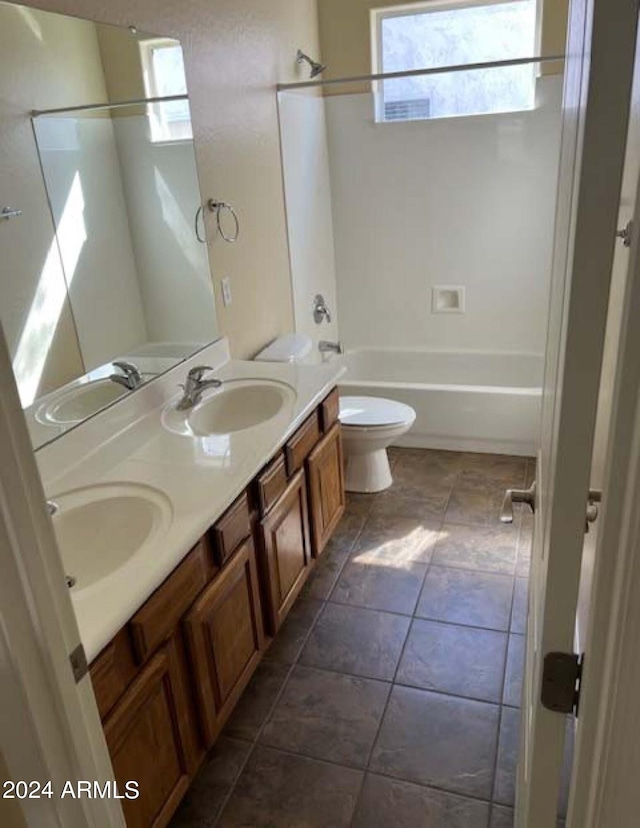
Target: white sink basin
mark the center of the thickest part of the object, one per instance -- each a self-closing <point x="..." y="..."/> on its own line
<point x="237" y="406"/>
<point x="100" y="528"/>
<point x="80" y="402"/>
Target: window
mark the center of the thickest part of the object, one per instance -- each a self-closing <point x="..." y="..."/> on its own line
<point x="163" y="72"/>
<point x="436" y="34"/>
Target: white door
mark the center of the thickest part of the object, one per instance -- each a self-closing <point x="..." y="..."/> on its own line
<point x="49" y="723"/>
<point x="598" y="77"/>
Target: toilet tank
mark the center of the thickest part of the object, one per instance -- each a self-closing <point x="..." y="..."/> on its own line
<point x="288" y="348"/>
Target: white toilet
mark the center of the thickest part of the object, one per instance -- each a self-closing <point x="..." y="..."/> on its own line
<point x="369" y="425"/>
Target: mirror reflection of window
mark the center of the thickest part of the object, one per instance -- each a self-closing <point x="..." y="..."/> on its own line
<point x="164" y="76"/>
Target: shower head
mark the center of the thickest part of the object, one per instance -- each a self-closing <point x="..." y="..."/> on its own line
<point x="316" y="68"/>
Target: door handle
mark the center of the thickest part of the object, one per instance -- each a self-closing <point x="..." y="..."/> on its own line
<point x="594" y="497"/>
<point x="512" y="496"/>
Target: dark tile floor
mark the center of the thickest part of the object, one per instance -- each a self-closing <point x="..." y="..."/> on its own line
<point x="391" y="695"/>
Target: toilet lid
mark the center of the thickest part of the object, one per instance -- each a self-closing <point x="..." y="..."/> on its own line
<point x="374" y="411"/>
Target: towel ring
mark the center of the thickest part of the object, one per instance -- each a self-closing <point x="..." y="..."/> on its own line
<point x="200" y="213"/>
<point x="219" y="207"/>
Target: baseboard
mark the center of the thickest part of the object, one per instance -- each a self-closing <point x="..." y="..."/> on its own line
<point x="432" y="441"/>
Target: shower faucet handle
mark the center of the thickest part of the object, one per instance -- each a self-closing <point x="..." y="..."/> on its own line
<point x="512" y="496"/>
<point x="320" y="309"/>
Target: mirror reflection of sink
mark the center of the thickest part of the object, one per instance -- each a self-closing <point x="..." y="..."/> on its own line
<point x="100" y="528"/>
<point x="80" y="402"/>
<point x="237" y="405"/>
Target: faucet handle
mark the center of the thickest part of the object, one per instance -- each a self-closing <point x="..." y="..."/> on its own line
<point x="198" y="372"/>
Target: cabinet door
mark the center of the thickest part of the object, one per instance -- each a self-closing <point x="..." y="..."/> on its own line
<point x="225" y="639"/>
<point x="326" y="487"/>
<point x="144" y="733"/>
<point x="285" y="550"/>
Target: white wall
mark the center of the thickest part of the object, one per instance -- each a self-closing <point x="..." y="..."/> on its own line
<point x="82" y="172"/>
<point x="305" y="163"/>
<point x="460" y="201"/>
<point x="162" y="195"/>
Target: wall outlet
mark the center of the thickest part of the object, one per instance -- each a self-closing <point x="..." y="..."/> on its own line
<point x="447" y="299"/>
<point x="226" y="292"/>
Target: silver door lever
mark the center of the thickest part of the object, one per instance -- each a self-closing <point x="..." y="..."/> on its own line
<point x="595" y="496"/>
<point x="512" y="496"/>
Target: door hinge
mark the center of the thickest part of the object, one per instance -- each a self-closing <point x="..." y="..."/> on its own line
<point x="561" y="680"/>
<point x="78" y="661"/>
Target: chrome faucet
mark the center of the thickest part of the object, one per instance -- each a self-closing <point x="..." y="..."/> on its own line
<point x="195" y="386"/>
<point x="130" y="376"/>
<point x="320" y="309"/>
<point x="326" y="347"/>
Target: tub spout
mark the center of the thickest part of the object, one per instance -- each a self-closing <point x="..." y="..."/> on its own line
<point x="326" y="347"/>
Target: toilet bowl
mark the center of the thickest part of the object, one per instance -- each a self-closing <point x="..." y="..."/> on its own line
<point x="369" y="425"/>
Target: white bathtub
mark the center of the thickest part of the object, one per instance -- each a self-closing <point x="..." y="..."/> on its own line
<point x="486" y="402"/>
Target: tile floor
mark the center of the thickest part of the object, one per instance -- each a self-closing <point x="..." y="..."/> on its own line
<point x="391" y="695"/>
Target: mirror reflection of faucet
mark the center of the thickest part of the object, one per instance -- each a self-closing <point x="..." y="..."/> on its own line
<point x="129" y="378"/>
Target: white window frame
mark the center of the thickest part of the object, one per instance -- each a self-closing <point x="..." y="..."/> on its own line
<point x="376" y="16"/>
<point x="157" y="135"/>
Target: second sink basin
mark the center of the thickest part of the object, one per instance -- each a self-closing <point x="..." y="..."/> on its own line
<point x="100" y="528"/>
<point x="238" y="406"/>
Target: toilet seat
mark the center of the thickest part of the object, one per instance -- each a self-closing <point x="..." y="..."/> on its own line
<point x="374" y="412"/>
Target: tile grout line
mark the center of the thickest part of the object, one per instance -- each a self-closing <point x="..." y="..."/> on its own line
<point x="387" y="700"/>
<point x="504" y="678"/>
<point x="362" y="608"/>
<point x="297" y="755"/>
<point x="255" y="742"/>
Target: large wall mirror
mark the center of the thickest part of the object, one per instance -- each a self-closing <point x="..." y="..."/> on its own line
<point x="105" y="279"/>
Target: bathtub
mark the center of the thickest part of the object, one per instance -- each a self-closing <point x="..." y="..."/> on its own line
<point x="487" y="402"/>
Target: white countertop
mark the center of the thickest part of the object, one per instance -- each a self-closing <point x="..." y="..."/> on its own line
<point x="201" y="476"/>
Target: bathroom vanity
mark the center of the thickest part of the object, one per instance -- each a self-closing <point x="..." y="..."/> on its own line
<point x="174" y="631"/>
<point x="170" y="678"/>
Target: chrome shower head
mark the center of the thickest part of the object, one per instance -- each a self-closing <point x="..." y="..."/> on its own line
<point x="316" y="68"/>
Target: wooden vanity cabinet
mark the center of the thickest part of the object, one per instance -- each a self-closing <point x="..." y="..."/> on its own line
<point x="147" y="735"/>
<point x="170" y="678"/>
<point x="325" y="475"/>
<point x="225" y="638"/>
<point x="285" y="551"/>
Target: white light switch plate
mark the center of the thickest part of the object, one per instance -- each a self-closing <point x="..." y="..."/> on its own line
<point x="226" y="292"/>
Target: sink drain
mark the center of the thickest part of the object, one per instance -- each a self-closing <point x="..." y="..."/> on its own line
<point x="71" y="581"/>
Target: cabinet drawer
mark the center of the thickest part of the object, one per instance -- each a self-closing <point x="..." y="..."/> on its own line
<point x="271" y="483"/>
<point x="112" y="672"/>
<point x="232" y="528"/>
<point x="159" y="616"/>
<point x="299" y="446"/>
<point x="329" y="410"/>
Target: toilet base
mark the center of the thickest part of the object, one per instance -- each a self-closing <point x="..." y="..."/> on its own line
<point x="368" y="473"/>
